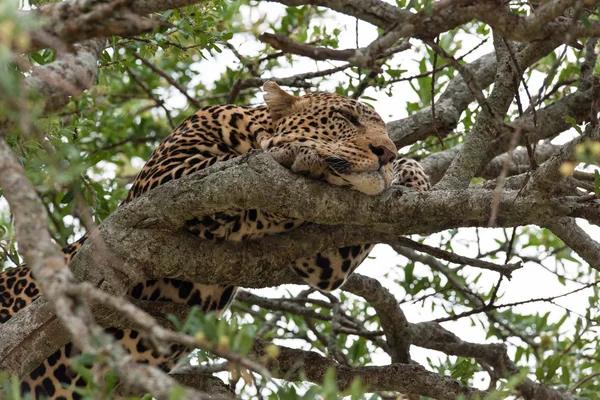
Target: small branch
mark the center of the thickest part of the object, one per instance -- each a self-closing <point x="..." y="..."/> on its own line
<point x="353" y="56"/>
<point x="160" y="336"/>
<point x="169" y="79"/>
<point x="544" y="179"/>
<point x="490" y="307"/>
<point x="576" y="238"/>
<point x="144" y="139"/>
<point x="473" y="298"/>
<point x="467" y="76"/>
<point x="505" y="270"/>
<point x="291" y="364"/>
<point x="157" y="101"/>
<point x="336" y="327"/>
<point x="391" y="317"/>
<point x="299" y="80"/>
<point x="584" y="381"/>
<point x="287" y="45"/>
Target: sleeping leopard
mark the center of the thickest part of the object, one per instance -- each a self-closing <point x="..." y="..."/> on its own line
<point x="323" y="136"/>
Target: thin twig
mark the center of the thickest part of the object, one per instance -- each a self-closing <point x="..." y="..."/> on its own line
<point x="505" y="270"/>
<point x="169" y="79"/>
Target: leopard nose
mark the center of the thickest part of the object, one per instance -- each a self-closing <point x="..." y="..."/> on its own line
<point x="384" y="154"/>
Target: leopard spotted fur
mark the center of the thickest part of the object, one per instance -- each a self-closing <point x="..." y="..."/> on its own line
<point x="323" y="136"/>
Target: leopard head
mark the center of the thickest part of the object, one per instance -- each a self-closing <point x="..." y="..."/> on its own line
<point x="330" y="137"/>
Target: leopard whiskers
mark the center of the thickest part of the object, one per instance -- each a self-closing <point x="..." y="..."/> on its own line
<point x="338" y="164"/>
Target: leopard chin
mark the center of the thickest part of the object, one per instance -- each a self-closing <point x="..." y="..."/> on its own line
<point x="370" y="183"/>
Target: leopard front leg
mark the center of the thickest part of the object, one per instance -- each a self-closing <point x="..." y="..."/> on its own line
<point x="300" y="160"/>
<point x="329" y="270"/>
<point x="410" y="173"/>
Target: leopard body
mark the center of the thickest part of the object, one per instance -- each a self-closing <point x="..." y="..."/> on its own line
<point x="323" y="136"/>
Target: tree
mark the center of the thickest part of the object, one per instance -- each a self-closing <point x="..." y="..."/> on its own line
<point x="498" y="101"/>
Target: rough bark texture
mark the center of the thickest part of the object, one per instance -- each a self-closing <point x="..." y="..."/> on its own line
<point x="122" y="250"/>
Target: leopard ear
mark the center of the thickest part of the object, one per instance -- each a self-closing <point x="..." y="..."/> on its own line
<point x="279" y="102"/>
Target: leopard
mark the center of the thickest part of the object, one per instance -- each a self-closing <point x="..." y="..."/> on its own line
<point x="323" y="136"/>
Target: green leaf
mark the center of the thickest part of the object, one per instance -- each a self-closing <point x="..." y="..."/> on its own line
<point x="573" y="123"/>
<point x="585" y="20"/>
<point x="551" y="364"/>
<point x="177" y="393"/>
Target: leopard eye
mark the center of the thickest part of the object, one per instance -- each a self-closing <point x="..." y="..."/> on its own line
<point x="350" y="117"/>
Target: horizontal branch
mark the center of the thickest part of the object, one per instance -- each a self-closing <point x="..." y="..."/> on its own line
<point x="69" y="75"/>
<point x="447" y="15"/>
<point x="122" y="250"/>
<point x="293" y="364"/>
<point x="287" y="45"/>
<point x="71" y="21"/>
<point x="577" y="239"/>
<point x="353" y="56"/>
<point x="506" y="269"/>
<point x="436" y="164"/>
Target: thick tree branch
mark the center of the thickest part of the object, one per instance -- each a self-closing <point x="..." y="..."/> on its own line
<point x="576" y="238"/>
<point x="470" y="158"/>
<point x="393" y="321"/>
<point x="447" y="15"/>
<point x="56" y="280"/>
<point x="448" y="107"/>
<point x="405" y="378"/>
<point x="68" y="22"/>
<point x="121" y="250"/>
<point x="69" y="75"/>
